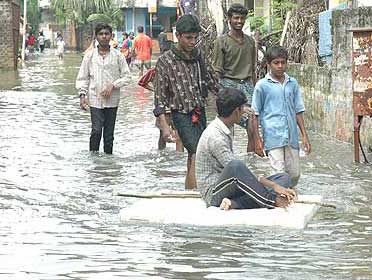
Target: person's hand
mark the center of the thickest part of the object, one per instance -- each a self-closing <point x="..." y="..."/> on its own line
<point x="108" y="91"/>
<point x="166" y="133"/>
<point x="248" y="111"/>
<point x="83" y="103"/>
<point x="259" y="148"/>
<point x="290" y="194"/>
<point x="307" y="145"/>
<point x="281" y="201"/>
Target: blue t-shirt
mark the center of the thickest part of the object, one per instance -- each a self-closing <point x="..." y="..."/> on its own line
<point x="276" y="105"/>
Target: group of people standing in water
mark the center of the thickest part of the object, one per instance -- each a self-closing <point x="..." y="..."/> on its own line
<point x="183" y="80"/>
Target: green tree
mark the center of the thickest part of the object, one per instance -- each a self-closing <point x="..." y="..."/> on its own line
<point x="78" y="11"/>
<point x="33" y="14"/>
<point x="278" y="14"/>
<point x="75" y="13"/>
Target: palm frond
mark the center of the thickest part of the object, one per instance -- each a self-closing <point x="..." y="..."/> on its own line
<point x="94" y="18"/>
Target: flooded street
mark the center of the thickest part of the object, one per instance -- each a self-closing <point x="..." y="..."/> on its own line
<point x="60" y="219"/>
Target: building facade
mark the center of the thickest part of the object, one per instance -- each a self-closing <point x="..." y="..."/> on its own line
<point x="9" y="20"/>
<point x="152" y="15"/>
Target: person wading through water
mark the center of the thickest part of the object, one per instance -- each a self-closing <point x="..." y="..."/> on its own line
<point x="235" y="62"/>
<point x="182" y="81"/>
<point x="102" y="73"/>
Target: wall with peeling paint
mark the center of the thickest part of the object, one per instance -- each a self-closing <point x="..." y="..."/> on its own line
<point x="327" y="90"/>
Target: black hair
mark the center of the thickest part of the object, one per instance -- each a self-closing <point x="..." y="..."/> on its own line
<point x="237" y="8"/>
<point x="140" y="29"/>
<point x="101" y="26"/>
<point x="188" y="24"/>
<point x="276" y="52"/>
<point x="228" y="99"/>
<point x="125" y="34"/>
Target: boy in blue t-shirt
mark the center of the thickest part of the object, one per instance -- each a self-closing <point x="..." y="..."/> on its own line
<point x="279" y="108"/>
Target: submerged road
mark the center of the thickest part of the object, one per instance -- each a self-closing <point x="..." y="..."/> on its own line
<point x="60" y="220"/>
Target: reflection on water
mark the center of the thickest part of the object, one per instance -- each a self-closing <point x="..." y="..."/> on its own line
<point x="59" y="219"/>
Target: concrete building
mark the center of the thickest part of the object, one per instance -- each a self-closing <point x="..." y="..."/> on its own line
<point x="152" y="15"/>
<point x="9" y="21"/>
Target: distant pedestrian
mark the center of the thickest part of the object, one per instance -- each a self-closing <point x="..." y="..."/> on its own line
<point x="102" y="73"/>
<point x="113" y="42"/>
<point x="164" y="43"/>
<point x="142" y="47"/>
<point x="41" y="41"/>
<point x="31" y="42"/>
<point x="125" y="47"/>
<point x="60" y="47"/>
<point x="188" y="7"/>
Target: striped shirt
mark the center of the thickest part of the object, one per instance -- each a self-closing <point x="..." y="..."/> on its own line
<point x="97" y="72"/>
<point x="178" y="84"/>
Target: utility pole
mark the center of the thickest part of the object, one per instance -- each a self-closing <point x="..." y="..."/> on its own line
<point x="24" y="29"/>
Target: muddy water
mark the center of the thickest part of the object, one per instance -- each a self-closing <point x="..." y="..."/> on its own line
<point x="60" y="220"/>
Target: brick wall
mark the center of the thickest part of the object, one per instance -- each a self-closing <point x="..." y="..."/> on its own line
<point x="8" y="52"/>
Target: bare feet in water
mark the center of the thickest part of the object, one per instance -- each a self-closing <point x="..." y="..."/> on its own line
<point x="225" y="204"/>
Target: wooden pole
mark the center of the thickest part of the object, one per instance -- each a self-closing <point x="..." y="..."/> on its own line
<point x="151" y="25"/>
<point x="285" y="28"/>
<point x="24" y="30"/>
<point x="198" y="195"/>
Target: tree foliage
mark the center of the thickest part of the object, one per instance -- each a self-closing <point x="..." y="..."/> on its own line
<point x="278" y="13"/>
<point x="78" y="11"/>
<point x="33" y="14"/>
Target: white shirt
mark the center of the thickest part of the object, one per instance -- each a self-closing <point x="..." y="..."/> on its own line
<point x="97" y="72"/>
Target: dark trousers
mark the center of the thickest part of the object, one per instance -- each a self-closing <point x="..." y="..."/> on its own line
<point x="102" y="119"/>
<point x="243" y="189"/>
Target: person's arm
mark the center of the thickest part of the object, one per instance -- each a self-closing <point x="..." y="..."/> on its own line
<point x="259" y="146"/>
<point x="212" y="81"/>
<point x="289" y="193"/>
<point x="305" y="138"/>
<point x="218" y="59"/>
<point x="161" y="97"/>
<point x="257" y="108"/>
<point x="300" y="108"/>
<point x="254" y="63"/>
<point x="82" y="80"/>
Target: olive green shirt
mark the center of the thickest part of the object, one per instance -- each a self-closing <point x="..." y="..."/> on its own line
<point x="233" y="60"/>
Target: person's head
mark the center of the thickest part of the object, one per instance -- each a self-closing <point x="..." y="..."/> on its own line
<point x="236" y="16"/>
<point x="230" y="103"/>
<point x="125" y="35"/>
<point x="131" y="35"/>
<point x="276" y="58"/>
<point x="140" y="29"/>
<point x="41" y="33"/>
<point x="162" y="29"/>
<point x="187" y="32"/>
<point x="103" y="34"/>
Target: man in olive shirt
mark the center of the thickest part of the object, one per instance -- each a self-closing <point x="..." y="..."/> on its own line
<point x="235" y="61"/>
